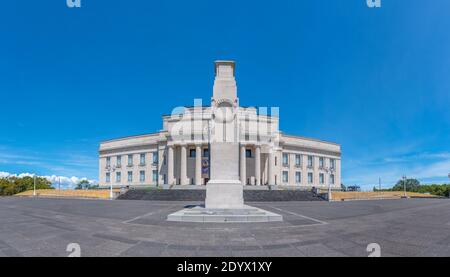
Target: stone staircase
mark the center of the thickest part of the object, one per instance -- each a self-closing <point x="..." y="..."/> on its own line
<point x="164" y="195"/>
<point x="279" y="195"/>
<point x="199" y="195"/>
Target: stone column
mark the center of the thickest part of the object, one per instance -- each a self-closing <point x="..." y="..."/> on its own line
<point x="316" y="171"/>
<point x="170" y="164"/>
<point x="271" y="168"/>
<point x="183" y="169"/>
<point x="243" y="169"/>
<point x="258" y="165"/>
<point x="198" y="165"/>
<point x="161" y="149"/>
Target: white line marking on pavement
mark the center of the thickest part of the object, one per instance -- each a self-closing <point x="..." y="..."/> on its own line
<point x="138" y="217"/>
<point x="299" y="215"/>
<point x="147" y="214"/>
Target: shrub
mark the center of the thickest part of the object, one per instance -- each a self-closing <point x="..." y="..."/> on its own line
<point x="14" y="185"/>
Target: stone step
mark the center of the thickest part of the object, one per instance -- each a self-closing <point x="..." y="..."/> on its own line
<point x="203" y="215"/>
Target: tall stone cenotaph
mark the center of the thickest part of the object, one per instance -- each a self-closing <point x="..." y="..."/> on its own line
<point x="224" y="192"/>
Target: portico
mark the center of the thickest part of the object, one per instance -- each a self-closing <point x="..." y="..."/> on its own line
<point x="252" y="164"/>
<point x="187" y="157"/>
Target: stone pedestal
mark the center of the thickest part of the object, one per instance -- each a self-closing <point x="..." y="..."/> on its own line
<point x="224" y="190"/>
<point x="246" y="214"/>
<point x="224" y="194"/>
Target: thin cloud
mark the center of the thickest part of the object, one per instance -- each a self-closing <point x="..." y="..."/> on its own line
<point x="60" y="163"/>
<point x="436" y="170"/>
<point x="417" y="157"/>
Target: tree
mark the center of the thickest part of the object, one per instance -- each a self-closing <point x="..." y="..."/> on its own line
<point x="411" y="185"/>
<point x="343" y="188"/>
<point x="13" y="185"/>
<point x="83" y="184"/>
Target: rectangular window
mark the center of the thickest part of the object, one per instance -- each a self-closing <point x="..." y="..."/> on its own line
<point x="142" y="176"/>
<point x="332" y="179"/>
<point x="118" y="161"/>
<point x="310" y="178"/>
<point x="108" y="161"/>
<point x="248" y="153"/>
<point x="142" y="159"/>
<point x="310" y="161"/>
<point x="285" y="159"/>
<point x="155" y="158"/>
<point x="206" y="153"/>
<point x="118" y="177"/>
<point x="130" y="176"/>
<point x="298" y="177"/>
<point x="298" y="160"/>
<point x="321" y="162"/>
<point x="332" y="164"/>
<point x="276" y="161"/>
<point x="155" y="176"/>
<point x="130" y="160"/>
<point x="285" y="177"/>
<point x="192" y="153"/>
<point x="108" y="177"/>
<point x="321" y="178"/>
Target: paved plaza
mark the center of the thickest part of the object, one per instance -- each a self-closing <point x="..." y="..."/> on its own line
<point x="45" y="227"/>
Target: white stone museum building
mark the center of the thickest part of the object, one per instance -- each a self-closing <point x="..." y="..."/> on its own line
<point x="180" y="153"/>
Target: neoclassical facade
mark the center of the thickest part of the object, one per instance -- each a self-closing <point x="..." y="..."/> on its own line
<point x="179" y="153"/>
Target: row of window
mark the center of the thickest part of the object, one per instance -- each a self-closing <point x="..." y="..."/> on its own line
<point x="130" y="157"/>
<point x="142" y="177"/>
<point x="298" y="161"/>
<point x="248" y="154"/>
<point x="130" y="160"/>
<point x="298" y="177"/>
<point x="193" y="153"/>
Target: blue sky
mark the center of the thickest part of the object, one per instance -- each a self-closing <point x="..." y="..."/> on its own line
<point x="374" y="80"/>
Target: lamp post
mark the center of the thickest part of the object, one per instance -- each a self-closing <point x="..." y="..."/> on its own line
<point x="379" y="185"/>
<point x="110" y="170"/>
<point x="329" y="171"/>
<point x="34" y="185"/>
<point x="404" y="186"/>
